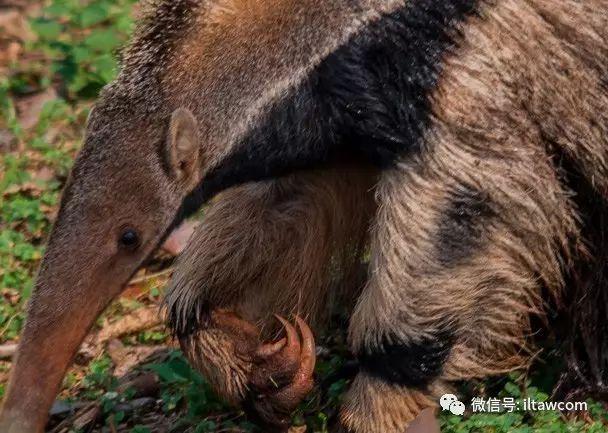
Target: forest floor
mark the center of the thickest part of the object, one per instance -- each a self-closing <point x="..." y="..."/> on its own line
<point x="129" y="376"/>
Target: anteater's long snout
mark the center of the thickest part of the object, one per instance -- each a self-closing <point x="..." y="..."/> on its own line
<point x="63" y="307"/>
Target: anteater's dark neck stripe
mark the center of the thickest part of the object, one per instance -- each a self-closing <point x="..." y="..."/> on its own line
<point x="370" y="98"/>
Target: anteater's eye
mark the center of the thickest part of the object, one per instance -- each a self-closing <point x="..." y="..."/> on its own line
<point x="129" y="239"/>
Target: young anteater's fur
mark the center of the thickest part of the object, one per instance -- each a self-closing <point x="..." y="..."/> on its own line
<point x="462" y="142"/>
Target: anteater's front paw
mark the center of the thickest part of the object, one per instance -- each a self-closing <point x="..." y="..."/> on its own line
<point x="268" y="379"/>
<point x="281" y="376"/>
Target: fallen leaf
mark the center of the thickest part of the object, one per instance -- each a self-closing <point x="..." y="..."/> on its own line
<point x="29" y="107"/>
<point x="13" y="24"/>
<point x="8" y="142"/>
<point x="31" y="188"/>
<point x="44" y="174"/>
<point x="7" y="350"/>
<point x="127" y="357"/>
<point x="133" y="291"/>
<point x="9" y="51"/>
<point x="12" y="296"/>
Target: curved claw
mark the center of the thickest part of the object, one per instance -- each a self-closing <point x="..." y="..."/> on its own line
<point x="292" y="349"/>
<point x="302" y="382"/>
<point x="279" y="374"/>
<point x="283" y="356"/>
<point x="274" y="405"/>
<point x="308" y="356"/>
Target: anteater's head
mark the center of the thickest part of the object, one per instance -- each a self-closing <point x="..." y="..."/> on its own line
<point x="140" y="158"/>
<point x="123" y="195"/>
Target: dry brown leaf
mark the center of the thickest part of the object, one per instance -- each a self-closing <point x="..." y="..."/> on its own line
<point x="30" y="188"/>
<point x="13" y="25"/>
<point x="9" y="51"/>
<point x="127" y="357"/>
<point x="8" y="142"/>
<point x="11" y="296"/>
<point x="133" y="291"/>
<point x="29" y="107"/>
<point x="44" y="174"/>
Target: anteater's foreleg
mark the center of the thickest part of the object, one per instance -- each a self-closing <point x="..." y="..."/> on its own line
<point x="286" y="246"/>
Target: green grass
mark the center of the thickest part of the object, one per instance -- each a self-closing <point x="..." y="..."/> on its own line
<point x="75" y="51"/>
<point x="525" y="421"/>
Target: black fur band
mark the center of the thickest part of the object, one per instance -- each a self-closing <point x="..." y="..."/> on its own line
<point x="413" y="365"/>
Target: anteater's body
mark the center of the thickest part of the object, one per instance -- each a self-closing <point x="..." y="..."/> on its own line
<point x="462" y="143"/>
<point x="485" y="122"/>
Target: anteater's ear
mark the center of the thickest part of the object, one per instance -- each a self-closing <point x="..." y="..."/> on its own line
<point x="184" y="147"/>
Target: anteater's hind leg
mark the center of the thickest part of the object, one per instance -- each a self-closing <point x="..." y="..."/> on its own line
<point x="286" y="246"/>
<point x="464" y="241"/>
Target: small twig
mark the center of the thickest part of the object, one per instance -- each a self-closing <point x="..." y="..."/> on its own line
<point x="136" y="321"/>
<point x="148" y="277"/>
<point x="8" y="323"/>
<point x="7" y="351"/>
<point x="112" y="427"/>
<point x="83" y="417"/>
